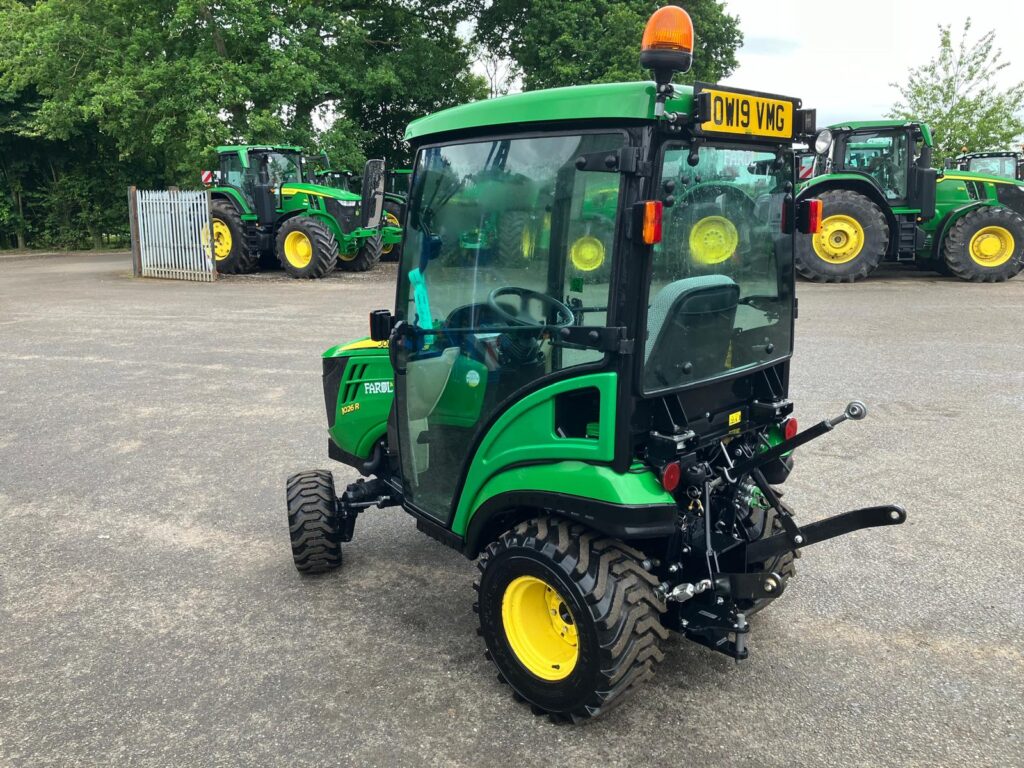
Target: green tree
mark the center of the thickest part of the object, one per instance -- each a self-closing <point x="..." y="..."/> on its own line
<point x="957" y="95"/>
<point x="101" y="93"/>
<point x="569" y="42"/>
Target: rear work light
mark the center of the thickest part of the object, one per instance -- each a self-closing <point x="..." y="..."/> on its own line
<point x="652" y="221"/>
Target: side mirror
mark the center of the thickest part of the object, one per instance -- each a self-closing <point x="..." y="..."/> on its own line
<point x="381" y="323"/>
<point x="372" y="207"/>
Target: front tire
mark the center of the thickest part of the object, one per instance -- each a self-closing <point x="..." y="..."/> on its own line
<point x="306" y="248"/>
<point x="570" y="618"/>
<point x="313" y="522"/>
<point x="230" y="247"/>
<point x="985" y="246"/>
<point x="365" y="258"/>
<point x="852" y="241"/>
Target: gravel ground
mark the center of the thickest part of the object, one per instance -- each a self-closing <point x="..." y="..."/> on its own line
<point x="150" y="614"/>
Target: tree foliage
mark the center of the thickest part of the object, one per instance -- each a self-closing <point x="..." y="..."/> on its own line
<point x="956" y="93"/>
<point x="567" y="42"/>
<point x="97" y="94"/>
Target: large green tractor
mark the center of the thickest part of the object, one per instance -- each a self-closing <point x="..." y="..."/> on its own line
<point x="884" y="202"/>
<point x="1008" y="165"/>
<point x="610" y="451"/>
<point x="264" y="208"/>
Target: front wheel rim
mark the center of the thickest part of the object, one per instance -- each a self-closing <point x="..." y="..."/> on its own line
<point x="298" y="249"/>
<point x="839" y="240"/>
<point x="991" y="246"/>
<point x="221" y="240"/>
<point x="540" y="628"/>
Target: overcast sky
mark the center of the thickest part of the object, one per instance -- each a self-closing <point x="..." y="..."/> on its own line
<point x="840" y="57"/>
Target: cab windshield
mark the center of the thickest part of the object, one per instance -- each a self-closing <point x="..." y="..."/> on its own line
<point x="1002" y="165"/>
<point x="721" y="293"/>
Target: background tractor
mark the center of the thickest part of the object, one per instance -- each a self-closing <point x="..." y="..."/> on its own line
<point x="263" y="208"/>
<point x="884" y="202"/>
<point x="1009" y="165"/>
<point x="609" y="449"/>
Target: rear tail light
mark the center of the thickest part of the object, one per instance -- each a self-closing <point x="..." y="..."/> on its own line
<point x="790" y="428"/>
<point x="652" y="222"/>
<point x="671" y="473"/>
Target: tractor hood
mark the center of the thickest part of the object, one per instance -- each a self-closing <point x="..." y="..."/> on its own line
<point x="973" y="176"/>
<point x="319" y="190"/>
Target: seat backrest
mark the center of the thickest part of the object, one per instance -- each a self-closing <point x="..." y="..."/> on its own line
<point x="691" y="323"/>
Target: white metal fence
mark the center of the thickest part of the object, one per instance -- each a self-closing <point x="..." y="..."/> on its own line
<point x="171" y="234"/>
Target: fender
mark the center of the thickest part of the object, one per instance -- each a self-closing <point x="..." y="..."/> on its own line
<point x="952" y="218"/>
<point x="625" y="506"/>
<point x="232" y="195"/>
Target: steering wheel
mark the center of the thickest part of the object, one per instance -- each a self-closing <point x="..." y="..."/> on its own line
<point x="527" y="297"/>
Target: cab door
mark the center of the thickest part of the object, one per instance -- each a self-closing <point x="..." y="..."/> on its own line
<point x="506" y="242"/>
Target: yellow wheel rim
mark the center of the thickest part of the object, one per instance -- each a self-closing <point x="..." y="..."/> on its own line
<point x="991" y="246"/>
<point x="540" y="628"/>
<point x="840" y="239"/>
<point x="298" y="249"/>
<point x="390" y="220"/>
<point x="527" y="243"/>
<point x="221" y="240"/>
<point x="587" y="253"/>
<point x="713" y="240"/>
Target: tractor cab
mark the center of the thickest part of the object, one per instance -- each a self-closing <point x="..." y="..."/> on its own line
<point x="600" y="410"/>
<point x="893" y="156"/>
<point x="1008" y="165"/>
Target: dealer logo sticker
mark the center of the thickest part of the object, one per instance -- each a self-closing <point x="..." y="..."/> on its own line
<point x="472" y="379"/>
<point x="378" y="387"/>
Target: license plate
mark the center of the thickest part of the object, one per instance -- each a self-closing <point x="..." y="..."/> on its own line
<point x="743" y="114"/>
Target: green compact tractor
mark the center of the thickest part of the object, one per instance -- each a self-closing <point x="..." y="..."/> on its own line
<point x="1008" y="165"/>
<point x="884" y="202"/>
<point x="610" y="450"/>
<point x="264" y="207"/>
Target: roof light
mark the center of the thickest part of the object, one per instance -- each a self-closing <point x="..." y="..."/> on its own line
<point x="667" y="45"/>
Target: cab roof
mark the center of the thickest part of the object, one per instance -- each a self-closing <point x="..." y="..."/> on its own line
<point x="859" y="125"/>
<point x="602" y="101"/>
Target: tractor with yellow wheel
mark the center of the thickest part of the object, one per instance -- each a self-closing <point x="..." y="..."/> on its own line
<point x="264" y="210"/>
<point x="609" y="450"/>
<point x="884" y="202"/>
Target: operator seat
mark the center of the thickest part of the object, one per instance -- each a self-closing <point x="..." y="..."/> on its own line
<point x="690" y="326"/>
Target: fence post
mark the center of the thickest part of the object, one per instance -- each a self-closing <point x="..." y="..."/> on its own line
<point x="209" y="227"/>
<point x="133" y="225"/>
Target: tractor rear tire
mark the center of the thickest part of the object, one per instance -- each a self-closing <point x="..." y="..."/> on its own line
<point x="570" y="618"/>
<point x="517" y="240"/>
<point x="856" y="243"/>
<point x="239" y="259"/>
<point x="306" y="248"/>
<point x="985" y="246"/>
<point x="313" y="522"/>
<point x="366" y="257"/>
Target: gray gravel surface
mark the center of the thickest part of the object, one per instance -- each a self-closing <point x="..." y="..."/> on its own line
<point x="150" y="614"/>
